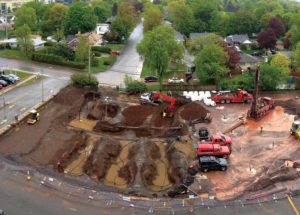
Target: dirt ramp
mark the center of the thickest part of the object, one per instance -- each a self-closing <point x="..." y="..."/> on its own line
<point x="177" y="166"/>
<point x="149" y="168"/>
<point x="136" y="115"/>
<point x="104" y="154"/>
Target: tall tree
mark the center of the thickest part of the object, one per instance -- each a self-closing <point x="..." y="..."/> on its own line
<point x="281" y="61"/>
<point x="26" y="16"/>
<point x="127" y="13"/>
<point x="158" y="48"/>
<point x="267" y="39"/>
<point x="57" y="14"/>
<point x="40" y="8"/>
<point x="152" y="18"/>
<point x="296" y="57"/>
<point x="80" y="18"/>
<point x="119" y="30"/>
<point x="197" y="44"/>
<point x="82" y="49"/>
<point x="271" y="76"/>
<point x="23" y="34"/>
<point x="233" y="57"/>
<point x="277" y="25"/>
<point x="246" y="22"/>
<point x="210" y="63"/>
<point x="102" y="10"/>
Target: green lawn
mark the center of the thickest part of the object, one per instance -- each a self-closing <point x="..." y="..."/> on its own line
<point x="118" y="47"/>
<point x="177" y="70"/>
<point x="13" y="54"/>
<point x="101" y="67"/>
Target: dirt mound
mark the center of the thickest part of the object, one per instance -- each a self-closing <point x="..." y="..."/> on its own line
<point x="102" y="157"/>
<point x="290" y="106"/>
<point x="101" y="110"/>
<point x="193" y="111"/>
<point x="79" y="142"/>
<point x="149" y="168"/>
<point x="92" y="96"/>
<point x="128" y="172"/>
<point x="178" y="166"/>
<point x="68" y="96"/>
<point x="136" y="115"/>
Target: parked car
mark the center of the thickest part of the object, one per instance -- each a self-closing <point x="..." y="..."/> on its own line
<point x="208" y="149"/>
<point x="1" y="212"/>
<point x="150" y="79"/>
<point x="115" y="52"/>
<point x="15" y="77"/>
<point x="257" y="53"/>
<point x="3" y="83"/>
<point x="1" y="86"/>
<point x="175" y="80"/>
<point x="8" y="80"/>
<point x="208" y="163"/>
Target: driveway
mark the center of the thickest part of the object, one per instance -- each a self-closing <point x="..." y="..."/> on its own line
<point x="129" y="62"/>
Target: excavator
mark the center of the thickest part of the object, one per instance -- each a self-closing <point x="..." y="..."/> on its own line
<point x="295" y="129"/>
<point x="157" y="98"/>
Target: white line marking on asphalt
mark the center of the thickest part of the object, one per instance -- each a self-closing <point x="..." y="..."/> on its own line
<point x="22" y="109"/>
<point x="11" y="106"/>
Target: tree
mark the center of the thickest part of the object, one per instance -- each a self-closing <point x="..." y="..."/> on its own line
<point x="277" y="25"/>
<point x="296" y="57"/>
<point x="26" y="16"/>
<point x="40" y="8"/>
<point x="281" y="61"/>
<point x="102" y="10"/>
<point x="267" y="39"/>
<point x="233" y="57"/>
<point x="23" y="34"/>
<point x="287" y="40"/>
<point x="80" y="18"/>
<point x="82" y="49"/>
<point x="56" y="16"/>
<point x="245" y="22"/>
<point x="158" y="48"/>
<point x="271" y="76"/>
<point x="152" y="18"/>
<point x="210" y="63"/>
<point x="182" y="17"/>
<point x="120" y="28"/>
<point x="197" y="44"/>
<point x="127" y="13"/>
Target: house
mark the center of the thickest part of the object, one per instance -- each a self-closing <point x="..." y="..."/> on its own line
<point x="13" y="43"/>
<point x="197" y="35"/>
<point x="237" y="40"/>
<point x="247" y="61"/>
<point x="93" y="38"/>
<point x="102" y="28"/>
<point x="12" y="5"/>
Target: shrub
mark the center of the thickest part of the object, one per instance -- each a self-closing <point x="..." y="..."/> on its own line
<point x="97" y="53"/>
<point x="57" y="60"/>
<point x="102" y="49"/>
<point x="134" y="86"/>
<point x="245" y="81"/>
<point x="49" y="43"/>
<point x="83" y="79"/>
<point x="94" y="62"/>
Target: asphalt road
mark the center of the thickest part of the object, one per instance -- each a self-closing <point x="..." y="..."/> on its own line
<point x="129" y="62"/>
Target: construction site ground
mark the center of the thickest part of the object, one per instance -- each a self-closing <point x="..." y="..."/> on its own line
<point x="119" y="143"/>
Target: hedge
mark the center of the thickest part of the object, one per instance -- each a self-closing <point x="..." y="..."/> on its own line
<point x="102" y="49"/>
<point x="97" y="53"/>
<point x="57" y="60"/>
<point x="81" y="80"/>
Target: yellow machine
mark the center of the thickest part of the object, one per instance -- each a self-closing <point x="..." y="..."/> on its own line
<point x="33" y="118"/>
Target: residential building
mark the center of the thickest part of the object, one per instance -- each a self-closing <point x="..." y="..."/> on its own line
<point x="94" y="39"/>
<point x="102" y="28"/>
<point x="247" y="61"/>
<point x="237" y="40"/>
<point x="13" y="43"/>
<point x="197" y="35"/>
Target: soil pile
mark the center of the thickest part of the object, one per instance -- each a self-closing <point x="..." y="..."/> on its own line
<point x="178" y="166"/>
<point x="128" y="172"/>
<point x="103" y="155"/>
<point x="290" y="106"/>
<point x="79" y="142"/>
<point x="193" y="111"/>
<point x="136" y="115"/>
<point x="149" y="169"/>
<point x="68" y="96"/>
<point x="107" y="127"/>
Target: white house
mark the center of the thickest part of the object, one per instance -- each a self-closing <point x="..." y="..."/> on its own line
<point x="102" y="28"/>
<point x="13" y="42"/>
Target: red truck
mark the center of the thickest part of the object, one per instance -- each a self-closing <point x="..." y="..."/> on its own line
<point x="221" y="139"/>
<point x="208" y="149"/>
<point x="239" y="96"/>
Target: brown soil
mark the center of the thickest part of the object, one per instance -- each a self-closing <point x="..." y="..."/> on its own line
<point x="100" y="110"/>
<point x="105" y="126"/>
<point x="79" y="142"/>
<point x="193" y="111"/>
<point x="136" y="115"/>
<point x="177" y="166"/>
<point x="104" y="153"/>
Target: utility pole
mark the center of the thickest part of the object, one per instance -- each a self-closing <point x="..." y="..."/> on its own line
<point x="253" y="112"/>
<point x="42" y="74"/>
<point x="89" y="62"/>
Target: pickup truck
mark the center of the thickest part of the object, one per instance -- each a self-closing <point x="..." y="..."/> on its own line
<point x="208" y="149"/>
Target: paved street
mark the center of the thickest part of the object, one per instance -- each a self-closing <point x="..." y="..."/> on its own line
<point x="128" y="62"/>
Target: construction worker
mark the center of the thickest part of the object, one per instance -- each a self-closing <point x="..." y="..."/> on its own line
<point x="164" y="115"/>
